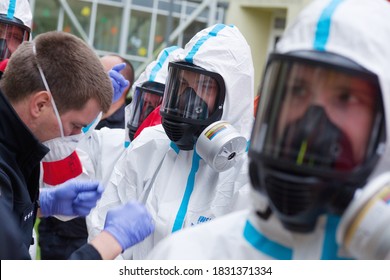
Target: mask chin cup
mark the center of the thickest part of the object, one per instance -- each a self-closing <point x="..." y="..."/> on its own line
<point x="221" y="145"/>
<point x="184" y="135"/>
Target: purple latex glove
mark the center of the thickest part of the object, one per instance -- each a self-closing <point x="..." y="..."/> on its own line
<point x="129" y="224"/>
<point x="72" y="198"/>
<point x="119" y="83"/>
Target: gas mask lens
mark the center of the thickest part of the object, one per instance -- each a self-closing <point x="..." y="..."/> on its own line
<point x="146" y="98"/>
<point x="11" y="36"/>
<point x="311" y="114"/>
<point x="192" y="92"/>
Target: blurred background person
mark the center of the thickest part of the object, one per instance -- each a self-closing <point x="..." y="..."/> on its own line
<point x="115" y="116"/>
<point x="15" y="27"/>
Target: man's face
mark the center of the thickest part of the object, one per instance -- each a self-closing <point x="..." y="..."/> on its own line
<point x="204" y="86"/>
<point x="349" y="102"/>
<point x="151" y="101"/>
<point x="72" y="121"/>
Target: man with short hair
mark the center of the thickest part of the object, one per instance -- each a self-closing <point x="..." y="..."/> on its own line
<point x="51" y="89"/>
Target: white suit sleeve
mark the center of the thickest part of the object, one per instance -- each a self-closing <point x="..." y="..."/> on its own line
<point x="133" y="173"/>
<point x="111" y="197"/>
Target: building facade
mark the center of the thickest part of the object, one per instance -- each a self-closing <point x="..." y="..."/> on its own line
<point x="139" y="29"/>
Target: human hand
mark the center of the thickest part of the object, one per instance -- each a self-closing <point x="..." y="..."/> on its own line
<point x="72" y="198"/>
<point x="119" y="83"/>
<point x="129" y="224"/>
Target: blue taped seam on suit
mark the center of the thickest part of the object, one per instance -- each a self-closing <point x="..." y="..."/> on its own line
<point x="181" y="214"/>
<point x="265" y="245"/>
<point x="161" y="62"/>
<point x="196" y="158"/>
<point x="174" y="147"/>
<point x="190" y="57"/>
<point x="323" y="26"/>
<point x="11" y="9"/>
<point x="280" y="252"/>
<point x="330" y="247"/>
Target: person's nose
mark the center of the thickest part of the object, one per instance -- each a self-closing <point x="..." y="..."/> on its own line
<point x="75" y="131"/>
<point x="319" y="96"/>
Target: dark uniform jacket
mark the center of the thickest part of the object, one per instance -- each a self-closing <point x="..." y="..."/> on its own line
<point x="12" y="247"/>
<point x="116" y="120"/>
<point x="20" y="156"/>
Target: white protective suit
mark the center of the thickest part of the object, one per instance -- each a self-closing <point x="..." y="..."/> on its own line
<point x="100" y="152"/>
<point x="356" y="29"/>
<point x="19" y="9"/>
<point x="84" y="163"/>
<point x="181" y="190"/>
<point x="105" y="147"/>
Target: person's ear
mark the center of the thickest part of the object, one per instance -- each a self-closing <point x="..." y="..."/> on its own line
<point x="39" y="103"/>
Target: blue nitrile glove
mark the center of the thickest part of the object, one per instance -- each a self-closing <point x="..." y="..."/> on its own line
<point x="119" y="83"/>
<point x="72" y="198"/>
<point x="129" y="224"/>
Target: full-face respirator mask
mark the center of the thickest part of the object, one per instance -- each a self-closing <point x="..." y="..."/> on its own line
<point x="146" y="98"/>
<point x="304" y="156"/>
<point x="12" y="33"/>
<point x="193" y="99"/>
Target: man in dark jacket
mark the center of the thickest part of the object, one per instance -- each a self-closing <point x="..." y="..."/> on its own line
<point x="51" y="89"/>
<point x="57" y="238"/>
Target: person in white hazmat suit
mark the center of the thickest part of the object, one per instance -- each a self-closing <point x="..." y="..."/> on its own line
<point x="163" y="168"/>
<point x="15" y="25"/>
<point x="102" y="148"/>
<point x="148" y="92"/>
<point x="91" y="155"/>
<point x="319" y="148"/>
<point x="99" y="153"/>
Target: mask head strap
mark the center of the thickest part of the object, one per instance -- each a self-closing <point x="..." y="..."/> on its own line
<point x="48" y="89"/>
